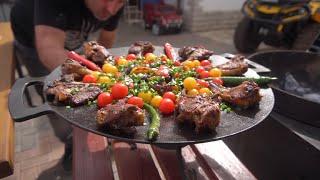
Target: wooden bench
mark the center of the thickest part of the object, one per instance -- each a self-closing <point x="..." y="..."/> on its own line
<point x="7" y="65"/>
<point x="95" y="158"/>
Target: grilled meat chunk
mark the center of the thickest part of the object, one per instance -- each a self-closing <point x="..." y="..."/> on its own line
<point x="95" y="52"/>
<point x="245" y="95"/>
<point x="141" y="48"/>
<point x="194" y="53"/>
<point x="120" y="117"/>
<point x="235" y="67"/>
<point x="201" y="111"/>
<point x="74" y="70"/>
<point x="72" y="93"/>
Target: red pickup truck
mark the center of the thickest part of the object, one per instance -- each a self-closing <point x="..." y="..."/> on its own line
<point x="162" y="18"/>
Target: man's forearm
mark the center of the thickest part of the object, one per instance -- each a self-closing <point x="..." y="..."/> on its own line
<point x="107" y="38"/>
<point x="52" y="58"/>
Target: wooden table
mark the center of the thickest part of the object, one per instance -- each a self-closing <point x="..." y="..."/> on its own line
<point x="6" y="123"/>
<point x="95" y="158"/>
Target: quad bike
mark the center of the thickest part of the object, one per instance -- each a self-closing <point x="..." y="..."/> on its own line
<point x="293" y="24"/>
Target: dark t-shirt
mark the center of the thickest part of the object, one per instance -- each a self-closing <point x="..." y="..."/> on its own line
<point x="71" y="16"/>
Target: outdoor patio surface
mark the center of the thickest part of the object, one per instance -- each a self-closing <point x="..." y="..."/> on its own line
<point x="38" y="151"/>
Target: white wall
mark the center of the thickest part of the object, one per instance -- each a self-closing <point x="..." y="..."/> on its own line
<point x="215" y="5"/>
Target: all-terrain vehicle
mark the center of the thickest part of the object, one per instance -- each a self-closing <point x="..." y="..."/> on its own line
<point x="288" y="23"/>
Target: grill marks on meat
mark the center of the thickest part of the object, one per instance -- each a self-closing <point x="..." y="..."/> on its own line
<point x="120" y="117"/>
<point x="73" y="70"/>
<point x="235" y="67"/>
<point x="201" y="111"/>
<point x="95" y="52"/>
<point x="72" y="93"/>
<point x="141" y="48"/>
<point x="245" y="95"/>
<point x="194" y="53"/>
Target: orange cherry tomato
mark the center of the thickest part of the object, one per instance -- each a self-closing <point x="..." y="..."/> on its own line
<point x="119" y="91"/>
<point x="89" y="78"/>
<point x="136" y="101"/>
<point x="104" y="99"/>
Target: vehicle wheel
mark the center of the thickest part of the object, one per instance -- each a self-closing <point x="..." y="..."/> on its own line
<point x="306" y="36"/>
<point x="246" y="38"/>
<point x="156" y="29"/>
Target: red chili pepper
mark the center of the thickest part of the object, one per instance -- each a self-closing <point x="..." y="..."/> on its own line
<point x="89" y="64"/>
<point x="169" y="51"/>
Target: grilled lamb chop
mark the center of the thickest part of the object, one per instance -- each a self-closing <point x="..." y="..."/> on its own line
<point x="235" y="67"/>
<point x="95" y="52"/>
<point x="201" y="111"/>
<point x="194" y="53"/>
<point x="74" y="70"/>
<point x="120" y="117"/>
<point x="245" y="95"/>
<point x="140" y="48"/>
<point x="72" y="93"/>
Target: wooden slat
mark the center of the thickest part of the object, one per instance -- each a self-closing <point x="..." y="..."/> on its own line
<point x="6" y="123"/>
<point x="134" y="163"/>
<point x="91" y="159"/>
<point x="217" y="159"/>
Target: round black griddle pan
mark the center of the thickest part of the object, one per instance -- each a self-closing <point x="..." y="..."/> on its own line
<point x="171" y="134"/>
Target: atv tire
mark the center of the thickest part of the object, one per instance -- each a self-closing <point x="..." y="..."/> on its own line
<point x="306" y="36"/>
<point x="246" y="38"/>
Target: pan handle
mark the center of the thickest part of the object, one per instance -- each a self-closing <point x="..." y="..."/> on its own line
<point x="19" y="112"/>
<point x="258" y="68"/>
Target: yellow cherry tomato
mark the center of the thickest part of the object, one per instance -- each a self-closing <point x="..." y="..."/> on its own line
<point x="215" y="72"/>
<point x="188" y="64"/>
<point x="155" y="101"/>
<point x="150" y="57"/>
<point x="146" y="96"/>
<point x="109" y="68"/>
<point x="196" y="63"/>
<point x="205" y="91"/>
<point x="189" y="83"/>
<point x="104" y="79"/>
<point x="193" y="92"/>
<point x="96" y="74"/>
<point x="122" y="62"/>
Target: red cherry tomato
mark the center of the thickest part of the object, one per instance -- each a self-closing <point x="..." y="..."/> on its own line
<point x="200" y="69"/>
<point x="104" y="99"/>
<point x="131" y="57"/>
<point x="116" y="59"/>
<point x="166" y="106"/>
<point x="89" y="78"/>
<point x="205" y="63"/>
<point x="217" y="81"/>
<point x="136" y="101"/>
<point x="170" y="95"/>
<point x="204" y="74"/>
<point x="177" y="63"/>
<point x="119" y="91"/>
<point x="203" y="83"/>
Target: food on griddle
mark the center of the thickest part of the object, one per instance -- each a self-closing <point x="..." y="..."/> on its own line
<point x="121" y="117"/>
<point x="194" y="53"/>
<point x="153" y="130"/>
<point x="235" y="67"/>
<point x="244" y="95"/>
<point x="170" y="52"/>
<point x="201" y="111"/>
<point x="72" y="93"/>
<point x="236" y="80"/>
<point x="89" y="64"/>
<point x="96" y="53"/>
<point x="140" y="48"/>
<point x="74" y="69"/>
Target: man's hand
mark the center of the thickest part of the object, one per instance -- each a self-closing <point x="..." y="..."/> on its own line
<point x="50" y="46"/>
<point x="107" y="38"/>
